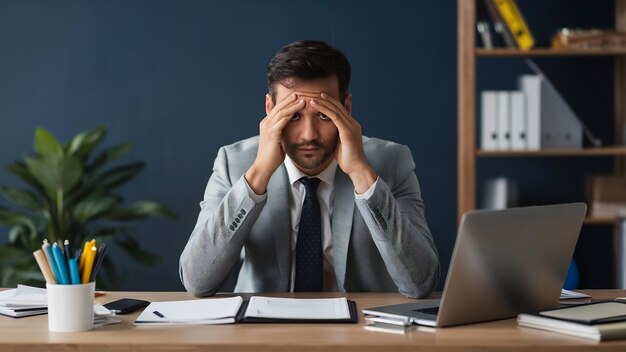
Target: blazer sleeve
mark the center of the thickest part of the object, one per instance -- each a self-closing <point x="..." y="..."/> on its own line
<point x="227" y="213"/>
<point x="394" y="215"/>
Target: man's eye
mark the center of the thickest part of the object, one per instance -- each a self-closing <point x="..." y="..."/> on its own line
<point x="295" y="117"/>
<point x="323" y="117"/>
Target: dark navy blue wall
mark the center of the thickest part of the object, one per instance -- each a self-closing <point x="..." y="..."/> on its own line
<point x="181" y="78"/>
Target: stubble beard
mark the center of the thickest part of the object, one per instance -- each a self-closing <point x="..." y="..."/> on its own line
<point x="312" y="161"/>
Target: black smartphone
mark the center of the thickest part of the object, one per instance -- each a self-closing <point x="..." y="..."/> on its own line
<point x="126" y="305"/>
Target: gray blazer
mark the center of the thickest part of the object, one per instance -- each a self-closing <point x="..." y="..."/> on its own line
<point x="381" y="244"/>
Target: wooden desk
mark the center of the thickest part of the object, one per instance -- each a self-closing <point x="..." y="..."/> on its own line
<point x="31" y="333"/>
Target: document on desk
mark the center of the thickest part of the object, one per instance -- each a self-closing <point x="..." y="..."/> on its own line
<point x="192" y="312"/>
<point x="23" y="301"/>
<point x="311" y="310"/>
<point x="294" y="308"/>
<point x="24" y="296"/>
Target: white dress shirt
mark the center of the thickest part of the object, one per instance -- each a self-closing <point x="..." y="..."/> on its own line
<point x="325" y="196"/>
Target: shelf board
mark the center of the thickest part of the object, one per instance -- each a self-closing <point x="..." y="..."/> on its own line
<point x="600" y="220"/>
<point x="583" y="152"/>
<point x="507" y="52"/>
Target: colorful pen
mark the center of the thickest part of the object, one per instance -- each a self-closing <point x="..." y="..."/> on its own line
<point x="67" y="250"/>
<point x="98" y="261"/>
<point x="81" y="264"/>
<point x="77" y="255"/>
<point x="64" y="278"/>
<point x="53" y="266"/>
<point x="74" y="274"/>
<point x="58" y="266"/>
<point x="86" y="273"/>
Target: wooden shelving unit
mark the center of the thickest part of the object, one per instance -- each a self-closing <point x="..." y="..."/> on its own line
<point x="586" y="152"/>
<point x="600" y="221"/>
<point x="505" y="52"/>
<point x="468" y="151"/>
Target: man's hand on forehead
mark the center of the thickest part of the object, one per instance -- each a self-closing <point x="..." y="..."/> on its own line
<point x="316" y="95"/>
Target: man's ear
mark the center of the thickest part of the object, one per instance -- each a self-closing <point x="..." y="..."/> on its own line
<point x="347" y="103"/>
<point x="269" y="104"/>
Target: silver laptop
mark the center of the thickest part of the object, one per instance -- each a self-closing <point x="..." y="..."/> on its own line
<point x="504" y="262"/>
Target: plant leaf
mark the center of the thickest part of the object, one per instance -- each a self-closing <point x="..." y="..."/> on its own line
<point x="6" y="215"/>
<point x="83" y="143"/>
<point x="140" y="210"/>
<point x="119" y="175"/>
<point x="10" y="251"/>
<point x="22" y="197"/>
<point x="94" y="206"/>
<point x="46" y="144"/>
<point x="20" y="169"/>
<point x="10" y="217"/>
<point x="93" y="184"/>
<point x="55" y="174"/>
<point x="108" y="155"/>
<point x="107" y="234"/>
<point x="15" y="233"/>
<point x="11" y="277"/>
<point x="131" y="246"/>
<point x="23" y="232"/>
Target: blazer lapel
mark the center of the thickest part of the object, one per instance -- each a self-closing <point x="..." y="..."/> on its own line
<point x="278" y="205"/>
<point x="343" y="209"/>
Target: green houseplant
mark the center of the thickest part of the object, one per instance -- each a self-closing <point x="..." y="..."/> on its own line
<point x="71" y="194"/>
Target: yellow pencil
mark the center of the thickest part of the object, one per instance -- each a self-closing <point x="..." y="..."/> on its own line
<point x="91" y="255"/>
<point x="83" y="255"/>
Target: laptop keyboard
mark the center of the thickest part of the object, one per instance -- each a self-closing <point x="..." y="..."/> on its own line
<point x="431" y="311"/>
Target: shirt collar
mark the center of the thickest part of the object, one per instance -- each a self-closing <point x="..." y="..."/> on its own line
<point x="295" y="174"/>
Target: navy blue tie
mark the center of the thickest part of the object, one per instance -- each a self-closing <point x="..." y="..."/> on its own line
<point x="309" y="265"/>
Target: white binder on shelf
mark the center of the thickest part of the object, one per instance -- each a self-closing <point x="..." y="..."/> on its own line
<point x="488" y="120"/>
<point x="530" y="85"/>
<point x="504" y="120"/>
<point x="518" y="121"/>
<point x="551" y="122"/>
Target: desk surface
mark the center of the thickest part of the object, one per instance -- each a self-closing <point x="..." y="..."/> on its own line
<point x="31" y="333"/>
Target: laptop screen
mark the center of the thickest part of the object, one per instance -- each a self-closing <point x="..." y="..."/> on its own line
<point x="509" y="261"/>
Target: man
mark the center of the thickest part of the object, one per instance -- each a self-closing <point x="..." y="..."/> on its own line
<point x="310" y="204"/>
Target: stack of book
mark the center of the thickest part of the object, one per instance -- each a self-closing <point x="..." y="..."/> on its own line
<point x="23" y="301"/>
<point x="596" y="321"/>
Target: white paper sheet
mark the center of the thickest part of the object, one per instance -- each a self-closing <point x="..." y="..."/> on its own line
<point x="298" y="308"/>
<point x="197" y="311"/>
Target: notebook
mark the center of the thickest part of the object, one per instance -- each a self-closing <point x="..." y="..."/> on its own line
<point x="597" y="321"/>
<point x="504" y="262"/>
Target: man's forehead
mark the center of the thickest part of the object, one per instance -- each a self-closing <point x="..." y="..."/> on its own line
<point x="315" y="87"/>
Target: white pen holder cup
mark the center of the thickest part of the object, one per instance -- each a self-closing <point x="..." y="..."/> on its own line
<point x="70" y="307"/>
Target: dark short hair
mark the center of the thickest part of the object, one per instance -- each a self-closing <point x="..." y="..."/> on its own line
<point x="307" y="60"/>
